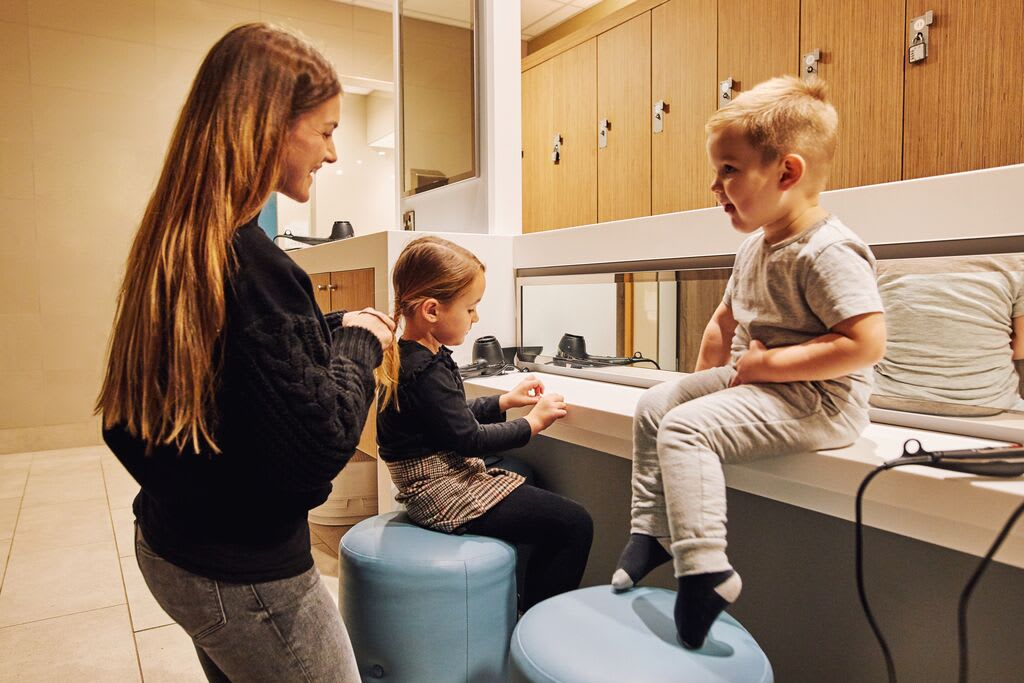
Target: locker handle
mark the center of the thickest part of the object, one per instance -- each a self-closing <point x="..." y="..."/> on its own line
<point x="725" y="93"/>
<point x="809" y="65"/>
<point x="556" y="150"/>
<point x="602" y="133"/>
<point x="658" y="116"/>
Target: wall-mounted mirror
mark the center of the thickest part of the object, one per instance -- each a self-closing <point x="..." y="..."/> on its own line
<point x="438" y="64"/>
<point x="955" y="324"/>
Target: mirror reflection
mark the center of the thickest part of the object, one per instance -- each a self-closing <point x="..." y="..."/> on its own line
<point x="955" y="325"/>
<point x="438" y="94"/>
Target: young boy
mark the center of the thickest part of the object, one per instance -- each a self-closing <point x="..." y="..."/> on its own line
<point x="785" y="362"/>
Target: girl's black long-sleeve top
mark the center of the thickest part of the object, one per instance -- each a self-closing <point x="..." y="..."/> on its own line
<point x="433" y="415"/>
<point x="292" y="395"/>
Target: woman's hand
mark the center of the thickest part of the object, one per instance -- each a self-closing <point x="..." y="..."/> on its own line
<point x="526" y="393"/>
<point x="548" y="409"/>
<point x="380" y="324"/>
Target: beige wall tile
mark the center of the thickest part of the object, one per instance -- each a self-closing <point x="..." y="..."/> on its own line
<point x="94" y="646"/>
<point x="69" y="285"/>
<point x="72" y="484"/>
<point x="14" y="10"/>
<point x="20" y="237"/>
<point x="16" y="180"/>
<point x="16" y="112"/>
<point x="9" y="508"/>
<point x="372" y="57"/>
<point x="53" y="583"/>
<point x="5" y="546"/>
<point x="124" y="530"/>
<point x="146" y="612"/>
<point x="326" y="37"/>
<point x="121" y="19"/>
<point x="21" y="343"/>
<point x="197" y="25"/>
<point x="19" y="439"/>
<point x="99" y="117"/>
<point x="70" y="394"/>
<point x="319" y="11"/>
<point x="14" y="51"/>
<point x="21" y="396"/>
<point x="74" y="341"/>
<point x="168" y="656"/>
<point x="72" y="60"/>
<point x="371" y="20"/>
<point x="63" y="525"/>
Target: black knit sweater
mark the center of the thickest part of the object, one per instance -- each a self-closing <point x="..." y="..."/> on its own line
<point x="292" y="397"/>
<point x="433" y="415"/>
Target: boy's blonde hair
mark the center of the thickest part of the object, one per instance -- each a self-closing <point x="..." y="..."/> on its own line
<point x="783" y="115"/>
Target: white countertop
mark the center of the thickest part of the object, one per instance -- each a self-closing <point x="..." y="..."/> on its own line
<point x="949" y="509"/>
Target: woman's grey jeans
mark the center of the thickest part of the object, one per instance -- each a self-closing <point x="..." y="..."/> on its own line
<point x="286" y="630"/>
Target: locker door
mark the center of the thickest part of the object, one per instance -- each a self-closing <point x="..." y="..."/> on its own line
<point x="862" y="57"/>
<point x="684" y="57"/>
<point x="962" y="106"/>
<point x="573" y="190"/>
<point x="538" y="123"/>
<point x="757" y="40"/>
<point x="623" y="99"/>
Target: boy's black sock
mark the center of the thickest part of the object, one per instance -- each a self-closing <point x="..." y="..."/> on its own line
<point x="641" y="555"/>
<point x="701" y="598"/>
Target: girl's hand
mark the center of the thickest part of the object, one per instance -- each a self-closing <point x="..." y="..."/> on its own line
<point x="526" y="393"/>
<point x="750" y="367"/>
<point x="549" y="408"/>
<point x="381" y="325"/>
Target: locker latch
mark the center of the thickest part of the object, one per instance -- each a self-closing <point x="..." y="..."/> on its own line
<point x="602" y="133"/>
<point x="917" y="38"/>
<point x="658" y="116"/>
<point x="556" y="150"/>
<point x="725" y="92"/>
<point x="809" y="68"/>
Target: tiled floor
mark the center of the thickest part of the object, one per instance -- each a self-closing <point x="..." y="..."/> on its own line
<point x="73" y="605"/>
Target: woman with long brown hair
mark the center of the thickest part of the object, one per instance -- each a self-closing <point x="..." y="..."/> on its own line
<point x="228" y="396"/>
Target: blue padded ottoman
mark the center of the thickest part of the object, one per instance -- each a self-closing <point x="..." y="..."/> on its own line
<point x="595" y="635"/>
<point x="426" y="607"/>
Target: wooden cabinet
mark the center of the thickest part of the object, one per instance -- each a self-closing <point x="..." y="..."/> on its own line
<point x="343" y="290"/>
<point x="699" y="294"/>
<point x="757" y="40"/>
<point x="862" y="57"/>
<point x="963" y="104"/>
<point x="683" y="76"/>
<point x="624" y="124"/>
<point x="562" y="101"/>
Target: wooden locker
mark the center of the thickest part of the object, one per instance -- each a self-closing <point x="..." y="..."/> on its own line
<point x="538" y="122"/>
<point x="700" y="293"/>
<point x="862" y="59"/>
<point x="572" y="194"/>
<point x="757" y="40"/>
<point x="684" y="44"/>
<point x="623" y="100"/>
<point x="963" y="103"/>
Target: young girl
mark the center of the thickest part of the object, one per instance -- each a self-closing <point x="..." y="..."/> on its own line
<point x="432" y="439"/>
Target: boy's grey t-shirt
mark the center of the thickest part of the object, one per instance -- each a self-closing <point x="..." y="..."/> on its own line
<point x="787" y="293"/>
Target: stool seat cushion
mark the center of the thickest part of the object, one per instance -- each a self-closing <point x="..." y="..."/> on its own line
<point x="597" y="635"/>
<point x="422" y="605"/>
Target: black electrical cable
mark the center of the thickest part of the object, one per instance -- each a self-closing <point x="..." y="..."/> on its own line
<point x="961" y="611"/>
<point x="913" y="460"/>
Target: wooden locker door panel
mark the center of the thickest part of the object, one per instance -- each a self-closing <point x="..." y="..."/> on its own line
<point x="623" y="98"/>
<point x="862" y="54"/>
<point x="321" y="291"/>
<point x="757" y="40"/>
<point x="352" y="290"/>
<point x="684" y="44"/>
<point x="573" y="190"/>
<point x="700" y="293"/>
<point x="963" y="103"/>
<point x="538" y="130"/>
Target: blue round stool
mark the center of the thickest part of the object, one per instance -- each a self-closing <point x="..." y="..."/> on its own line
<point x="426" y="607"/>
<point x="595" y="635"/>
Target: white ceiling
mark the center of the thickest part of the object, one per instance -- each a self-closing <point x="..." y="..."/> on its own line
<point x="537" y="15"/>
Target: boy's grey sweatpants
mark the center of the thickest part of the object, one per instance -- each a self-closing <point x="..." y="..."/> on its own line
<point x="684" y="430"/>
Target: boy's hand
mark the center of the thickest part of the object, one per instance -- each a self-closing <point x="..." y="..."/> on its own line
<point x="526" y="393"/>
<point x="750" y="365"/>
<point x="548" y="409"/>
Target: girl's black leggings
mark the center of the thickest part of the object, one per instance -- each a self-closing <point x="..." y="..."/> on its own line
<point x="558" y="530"/>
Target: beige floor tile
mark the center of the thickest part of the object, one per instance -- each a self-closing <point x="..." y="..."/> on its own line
<point x="145" y="611"/>
<point x="76" y="482"/>
<point x="63" y="525"/>
<point x="124" y="531"/>
<point x="121" y="487"/>
<point x="331" y="582"/>
<point x="63" y="456"/>
<point x="52" y="583"/>
<point x="93" y="646"/>
<point x="324" y="560"/>
<point x="8" y="517"/>
<point x="4" y="547"/>
<point x="330" y="536"/>
<point x="167" y="656"/>
<point x="15" y="460"/>
<point x="12" y="481"/>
